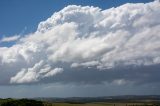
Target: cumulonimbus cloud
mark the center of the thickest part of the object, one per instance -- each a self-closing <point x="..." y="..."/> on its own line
<point x="85" y="38"/>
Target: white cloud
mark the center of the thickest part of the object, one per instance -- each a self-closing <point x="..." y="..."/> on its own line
<point x="10" y="39"/>
<point x="86" y="36"/>
<point x="35" y="73"/>
<point x="53" y="72"/>
<point x="86" y="64"/>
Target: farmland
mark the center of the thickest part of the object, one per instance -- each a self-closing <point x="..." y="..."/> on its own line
<point x="85" y="101"/>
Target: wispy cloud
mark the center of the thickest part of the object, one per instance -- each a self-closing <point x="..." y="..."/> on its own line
<point x="10" y="38"/>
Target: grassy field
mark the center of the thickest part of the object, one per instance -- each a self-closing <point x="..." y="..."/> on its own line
<point x="27" y="102"/>
<point x="104" y="104"/>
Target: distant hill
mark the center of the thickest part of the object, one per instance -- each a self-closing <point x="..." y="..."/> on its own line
<point x="124" y="98"/>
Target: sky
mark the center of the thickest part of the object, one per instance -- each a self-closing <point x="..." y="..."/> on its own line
<point x="21" y="17"/>
<point x="75" y="48"/>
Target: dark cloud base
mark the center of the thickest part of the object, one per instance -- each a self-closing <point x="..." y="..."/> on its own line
<point x="135" y="75"/>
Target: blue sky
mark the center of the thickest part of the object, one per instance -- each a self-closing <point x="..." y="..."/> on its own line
<point x="86" y="65"/>
<point x="21" y="17"/>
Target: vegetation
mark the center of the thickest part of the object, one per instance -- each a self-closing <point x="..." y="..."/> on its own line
<point x="28" y="102"/>
<point x="21" y="102"/>
<point x="105" y="104"/>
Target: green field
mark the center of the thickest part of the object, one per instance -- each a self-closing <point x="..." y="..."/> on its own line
<point x="27" y="102"/>
<point x="104" y="104"/>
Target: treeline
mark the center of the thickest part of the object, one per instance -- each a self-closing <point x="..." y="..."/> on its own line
<point x="20" y="102"/>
